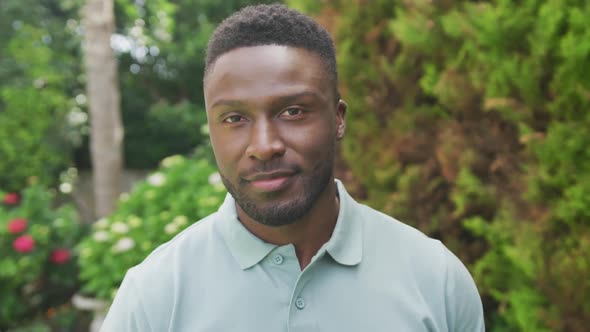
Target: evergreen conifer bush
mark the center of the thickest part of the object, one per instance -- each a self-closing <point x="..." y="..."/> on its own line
<point x="470" y="121"/>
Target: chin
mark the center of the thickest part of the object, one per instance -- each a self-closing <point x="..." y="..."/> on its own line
<point x="283" y="203"/>
<point x="277" y="213"/>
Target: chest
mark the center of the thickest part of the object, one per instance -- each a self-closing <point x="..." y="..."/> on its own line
<point x="277" y="297"/>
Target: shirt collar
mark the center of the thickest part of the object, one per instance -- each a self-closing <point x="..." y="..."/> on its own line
<point x="244" y="246"/>
<point x="345" y="244"/>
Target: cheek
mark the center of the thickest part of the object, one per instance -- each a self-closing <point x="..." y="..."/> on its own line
<point x="312" y="142"/>
<point x="227" y="150"/>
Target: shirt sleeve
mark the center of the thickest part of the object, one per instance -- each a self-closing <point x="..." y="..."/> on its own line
<point x="464" y="307"/>
<point x="127" y="312"/>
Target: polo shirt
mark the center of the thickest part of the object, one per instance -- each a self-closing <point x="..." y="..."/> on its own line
<point x="374" y="274"/>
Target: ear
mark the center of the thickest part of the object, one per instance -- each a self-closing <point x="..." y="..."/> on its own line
<point x="340" y="119"/>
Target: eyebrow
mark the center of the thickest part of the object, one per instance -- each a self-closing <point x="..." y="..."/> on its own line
<point x="226" y="102"/>
<point x="282" y="99"/>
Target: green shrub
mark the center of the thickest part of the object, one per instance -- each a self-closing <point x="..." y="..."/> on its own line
<point x="470" y="121"/>
<point x="163" y="131"/>
<point x="37" y="266"/>
<point x="33" y="107"/>
<point x="179" y="193"/>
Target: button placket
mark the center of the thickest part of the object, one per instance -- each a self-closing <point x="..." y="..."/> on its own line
<point x="300" y="301"/>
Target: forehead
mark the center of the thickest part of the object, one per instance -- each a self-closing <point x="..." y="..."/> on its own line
<point x="263" y="71"/>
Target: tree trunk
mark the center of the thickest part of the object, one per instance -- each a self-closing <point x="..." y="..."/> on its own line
<point x="106" y="135"/>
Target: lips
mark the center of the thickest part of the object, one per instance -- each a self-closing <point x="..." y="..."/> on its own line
<point x="270" y="181"/>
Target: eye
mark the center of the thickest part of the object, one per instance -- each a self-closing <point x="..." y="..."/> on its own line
<point x="292" y="112"/>
<point x="233" y="119"/>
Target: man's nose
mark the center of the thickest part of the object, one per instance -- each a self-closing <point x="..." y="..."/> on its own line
<point x="265" y="141"/>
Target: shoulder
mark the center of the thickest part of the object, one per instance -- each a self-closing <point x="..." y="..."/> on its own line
<point x="397" y="235"/>
<point x="148" y="294"/>
<point x="187" y="244"/>
<point x="462" y="301"/>
<point x="442" y="279"/>
<point x="162" y="269"/>
<point x="410" y="255"/>
<point x="194" y="234"/>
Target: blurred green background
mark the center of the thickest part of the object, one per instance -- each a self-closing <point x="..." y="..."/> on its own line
<point x="469" y="120"/>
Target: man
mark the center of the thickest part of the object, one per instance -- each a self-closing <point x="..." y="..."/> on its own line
<point x="289" y="249"/>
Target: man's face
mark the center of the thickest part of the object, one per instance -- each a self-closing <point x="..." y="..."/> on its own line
<point x="274" y="122"/>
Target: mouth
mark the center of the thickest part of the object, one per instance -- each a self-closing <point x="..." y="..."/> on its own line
<point x="271" y="181"/>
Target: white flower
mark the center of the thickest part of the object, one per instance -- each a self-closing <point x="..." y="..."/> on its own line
<point x="215" y="179"/>
<point x="124" y="244"/>
<point x="77" y="117"/>
<point x="119" y="227"/>
<point x="81" y="99"/>
<point x="171" y="228"/>
<point x="180" y="221"/>
<point x="156" y="179"/>
<point x="101" y="223"/>
<point x="205" y="129"/>
<point x="39" y="83"/>
<point x="100" y="236"/>
<point x="171" y="161"/>
<point x="66" y="188"/>
<point x="124" y="197"/>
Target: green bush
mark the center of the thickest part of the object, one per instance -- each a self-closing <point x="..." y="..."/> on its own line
<point x="470" y="121"/>
<point x="166" y="130"/>
<point x="37" y="266"/>
<point x="32" y="112"/>
<point x="181" y="192"/>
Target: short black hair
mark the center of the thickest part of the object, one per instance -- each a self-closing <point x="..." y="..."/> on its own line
<point x="274" y="24"/>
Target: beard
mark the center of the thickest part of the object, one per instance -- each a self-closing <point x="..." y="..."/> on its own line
<point x="288" y="211"/>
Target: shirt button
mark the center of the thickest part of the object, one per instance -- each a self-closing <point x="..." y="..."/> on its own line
<point x="299" y="303"/>
<point x="278" y="259"/>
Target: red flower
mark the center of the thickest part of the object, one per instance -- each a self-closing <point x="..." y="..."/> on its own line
<point x="17" y="225"/>
<point x="24" y="244"/>
<point x="11" y="199"/>
<point x="59" y="256"/>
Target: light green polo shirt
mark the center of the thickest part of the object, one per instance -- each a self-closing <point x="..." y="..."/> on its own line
<point x="374" y="274"/>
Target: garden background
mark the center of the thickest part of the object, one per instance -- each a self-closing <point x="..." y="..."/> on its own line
<point x="469" y="120"/>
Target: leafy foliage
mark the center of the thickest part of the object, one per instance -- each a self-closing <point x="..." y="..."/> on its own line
<point x="161" y="56"/>
<point x="164" y="130"/>
<point x="34" y="80"/>
<point x="37" y="269"/>
<point x="178" y="194"/>
<point x="469" y="120"/>
<point x="160" y="47"/>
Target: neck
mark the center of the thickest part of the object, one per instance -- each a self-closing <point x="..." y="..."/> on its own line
<point x="308" y="234"/>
